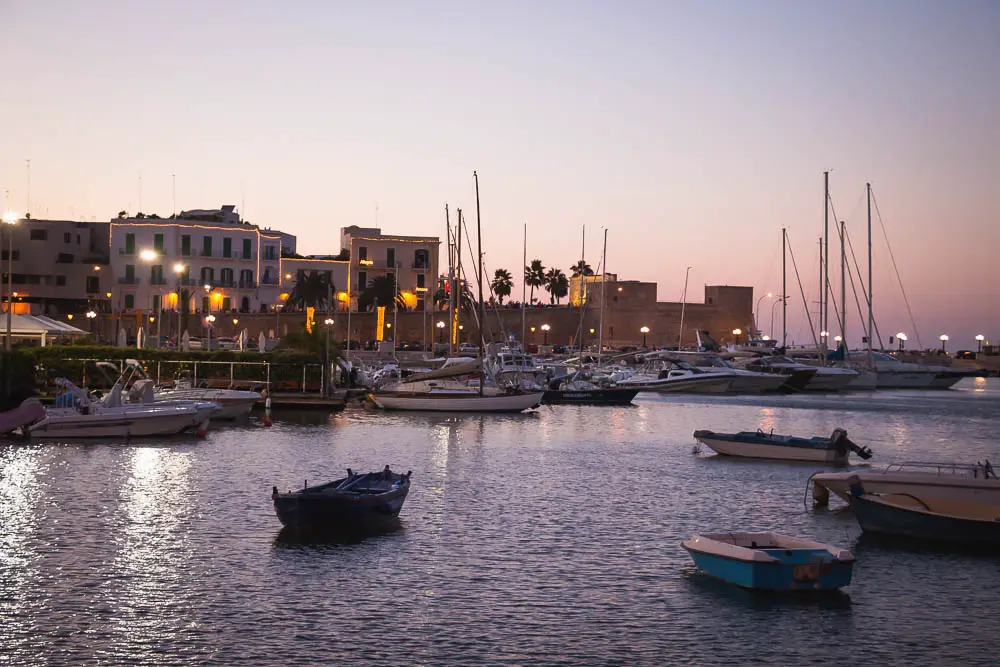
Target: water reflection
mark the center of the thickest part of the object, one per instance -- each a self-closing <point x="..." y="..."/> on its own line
<point x="730" y="595"/>
<point x="290" y="538"/>
<point x="151" y="529"/>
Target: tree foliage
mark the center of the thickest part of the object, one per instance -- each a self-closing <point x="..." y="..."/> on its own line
<point x="534" y="276"/>
<point x="380" y="291"/>
<point x="581" y="268"/>
<point x="311" y="289"/>
<point x="557" y="284"/>
<point x="502" y="284"/>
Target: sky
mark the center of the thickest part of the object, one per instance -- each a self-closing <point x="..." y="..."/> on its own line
<point x="693" y="132"/>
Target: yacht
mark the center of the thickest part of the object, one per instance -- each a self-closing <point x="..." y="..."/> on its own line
<point x="744" y="381"/>
<point x="891" y="373"/>
<point x="816" y="378"/>
<point x="664" y="375"/>
<point x="234" y="403"/>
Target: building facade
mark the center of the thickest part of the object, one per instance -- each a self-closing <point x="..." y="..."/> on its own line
<point x="56" y="266"/>
<point x="411" y="260"/>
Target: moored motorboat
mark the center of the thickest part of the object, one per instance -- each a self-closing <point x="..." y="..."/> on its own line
<point x="938" y="519"/>
<point x="771" y="561"/>
<point x="760" y="445"/>
<point x="590" y="396"/>
<point x="973" y="483"/>
<point x="355" y="502"/>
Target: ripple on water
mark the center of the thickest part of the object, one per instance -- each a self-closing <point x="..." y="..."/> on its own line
<point x="551" y="537"/>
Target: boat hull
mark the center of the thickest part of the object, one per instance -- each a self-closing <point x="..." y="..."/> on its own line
<point x="904" y="379"/>
<point x="68" y="423"/>
<point x="445" y="402"/>
<point x="319" y="514"/>
<point x="793" y="576"/>
<point x="757" y="383"/>
<point x="692" y="385"/>
<point x="921" y="485"/>
<point x="762" y="450"/>
<point x="612" y="396"/>
<point x="830" y="381"/>
<point x="878" y="516"/>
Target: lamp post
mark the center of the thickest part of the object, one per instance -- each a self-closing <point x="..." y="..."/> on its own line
<point x="10" y="218"/>
<point x="326" y="368"/>
<point x="756" y="310"/>
<point x="944" y="341"/>
<point x="90" y="316"/>
<point x="532" y="335"/>
<point x="780" y="299"/>
<point x="440" y="328"/>
<point x="823" y="335"/>
<point x="979" y="342"/>
<point x="209" y="319"/>
<point x="545" y="334"/>
<point x="737" y="332"/>
<point x="179" y="270"/>
<point x="901" y="337"/>
<point x="644" y="331"/>
<point x="149" y="256"/>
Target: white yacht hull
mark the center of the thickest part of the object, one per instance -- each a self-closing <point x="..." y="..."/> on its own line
<point x="904" y="379"/>
<point x="921" y="485"/>
<point x="865" y="381"/>
<point x="234" y="404"/>
<point x="748" y="450"/>
<point x="456" y="402"/>
<point x="756" y="383"/>
<point x="945" y="380"/>
<point x="830" y="381"/>
<point x="688" y="385"/>
<point x="122" y="422"/>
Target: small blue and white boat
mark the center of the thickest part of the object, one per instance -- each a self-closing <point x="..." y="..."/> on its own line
<point x="771" y="561"/>
<point x="761" y="445"/>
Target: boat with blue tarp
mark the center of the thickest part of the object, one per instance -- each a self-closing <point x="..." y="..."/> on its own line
<point x="771" y="561"/>
<point x="760" y="445"/>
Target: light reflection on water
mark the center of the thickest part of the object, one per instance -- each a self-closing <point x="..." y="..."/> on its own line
<point x="551" y="537"/>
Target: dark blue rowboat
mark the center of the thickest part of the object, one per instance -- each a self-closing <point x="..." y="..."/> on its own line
<point x="356" y="502"/>
<point x="939" y="519"/>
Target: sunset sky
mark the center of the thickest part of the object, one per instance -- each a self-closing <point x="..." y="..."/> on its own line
<point x="692" y="131"/>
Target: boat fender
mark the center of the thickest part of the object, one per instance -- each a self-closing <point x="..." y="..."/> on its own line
<point x="350" y="473"/>
<point x="274" y="491"/>
<point x="408" y="473"/>
<point x="821" y="494"/>
<point x="854" y="484"/>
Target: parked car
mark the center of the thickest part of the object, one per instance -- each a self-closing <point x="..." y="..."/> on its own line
<point x="965" y="354"/>
<point x="355" y="345"/>
<point x="466" y="350"/>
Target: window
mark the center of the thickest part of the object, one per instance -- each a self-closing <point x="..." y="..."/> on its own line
<point x="245" y="305"/>
<point x="206" y="246"/>
<point x="246" y="278"/>
<point x="420" y="279"/>
<point x="158" y="243"/>
<point x="390" y="257"/>
<point x="421" y="259"/>
<point x="186" y="245"/>
<point x="5" y="256"/>
<point x="227" y="277"/>
<point x="156" y="302"/>
<point x="130" y="244"/>
<point x="227" y="247"/>
<point x="207" y="275"/>
<point x="129" y="301"/>
<point x="246" y="249"/>
<point x="156" y="275"/>
<point x="227" y="304"/>
<point x="60" y="281"/>
<point x="206" y="304"/>
<point x="93" y="285"/>
<point x="39" y="235"/>
<point x="270" y="252"/>
<point x="67" y="237"/>
<point x="78" y="239"/>
<point x="362" y="253"/>
<point x="130" y="273"/>
<point x="64" y="258"/>
<point x="362" y="279"/>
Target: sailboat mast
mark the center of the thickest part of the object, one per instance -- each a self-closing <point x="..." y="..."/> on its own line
<point x="451" y="275"/>
<point x="684" y="298"/>
<point x="784" y="290"/>
<point x="604" y="281"/>
<point x="524" y="286"/>
<point x="825" y="300"/>
<point x="583" y="288"/>
<point x="482" y="304"/>
<point x="843" y="288"/>
<point x="820" y="318"/>
<point x="456" y="293"/>
<point x="868" y="191"/>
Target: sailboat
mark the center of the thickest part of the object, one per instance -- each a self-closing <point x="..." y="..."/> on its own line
<point x="443" y="391"/>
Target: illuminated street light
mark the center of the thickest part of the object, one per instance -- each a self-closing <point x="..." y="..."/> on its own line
<point x="440" y="328"/>
<point x="644" y="331"/>
<point x="545" y="334"/>
<point x="148" y="255"/>
<point x="901" y="337"/>
<point x="979" y="342"/>
<point x="944" y="341"/>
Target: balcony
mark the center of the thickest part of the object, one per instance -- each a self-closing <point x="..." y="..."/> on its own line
<point x="128" y="281"/>
<point x="157" y="281"/>
<point x="128" y="252"/>
<point x="269" y="280"/>
<point x="202" y="253"/>
<point x="420" y="266"/>
<point x="247" y="284"/>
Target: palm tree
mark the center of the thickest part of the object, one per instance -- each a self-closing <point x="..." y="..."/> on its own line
<point x="581" y="268"/>
<point x="534" y="276"/>
<point x="557" y="284"/>
<point x="381" y="291"/>
<point x="311" y="289"/>
<point x="502" y="284"/>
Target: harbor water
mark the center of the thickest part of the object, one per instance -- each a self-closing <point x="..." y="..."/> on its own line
<point x="546" y="538"/>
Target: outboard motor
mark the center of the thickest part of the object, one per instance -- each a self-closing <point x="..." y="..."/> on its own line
<point x="843" y="444"/>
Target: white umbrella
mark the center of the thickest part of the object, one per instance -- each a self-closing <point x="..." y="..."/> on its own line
<point x="140" y="339"/>
<point x="261" y="343"/>
<point x="122" y="338"/>
<point x="243" y="340"/>
<point x="186" y="341"/>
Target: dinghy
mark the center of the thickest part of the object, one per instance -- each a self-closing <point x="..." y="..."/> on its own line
<point x="771" y="561"/>
<point x="356" y="502"/>
<point x="761" y="445"/>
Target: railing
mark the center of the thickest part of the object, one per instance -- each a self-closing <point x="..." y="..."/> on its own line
<point x="126" y="251"/>
<point x="247" y="284"/>
<point x="269" y="281"/>
<point x="420" y="266"/>
<point x="128" y="281"/>
<point x="157" y="281"/>
<point x="202" y="253"/>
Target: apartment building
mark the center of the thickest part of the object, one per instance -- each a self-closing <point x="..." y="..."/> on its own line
<point x="201" y="261"/>
<point x="56" y="266"/>
<point x="412" y="259"/>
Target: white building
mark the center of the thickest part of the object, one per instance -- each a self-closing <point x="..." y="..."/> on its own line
<point x="206" y="261"/>
<point x="413" y="259"/>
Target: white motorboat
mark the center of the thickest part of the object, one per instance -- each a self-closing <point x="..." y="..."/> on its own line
<point x="109" y="417"/>
<point x="744" y="381"/>
<point x="235" y="403"/>
<point x="760" y="445"/>
<point x="976" y="483"/>
<point x="663" y="373"/>
<point x="891" y="373"/>
<point x="443" y="391"/>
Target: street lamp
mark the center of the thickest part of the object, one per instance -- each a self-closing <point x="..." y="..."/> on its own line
<point x="901" y="337"/>
<point x="737" y="332"/>
<point x="150" y="256"/>
<point x="756" y="311"/>
<point x="780" y="299"/>
<point x="326" y="369"/>
<point x="90" y="316"/>
<point x="440" y="328"/>
<point x="644" y="331"/>
<point x="10" y="218"/>
<point x="944" y="341"/>
<point x="545" y="334"/>
<point x="209" y="319"/>
<point x="179" y="270"/>
<point x="979" y="342"/>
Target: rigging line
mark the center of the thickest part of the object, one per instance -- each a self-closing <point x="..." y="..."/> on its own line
<point x="877" y="335"/>
<point x="896" y="269"/>
<point x="484" y="327"/>
<point x="812" y="329"/>
<point x="854" y="290"/>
